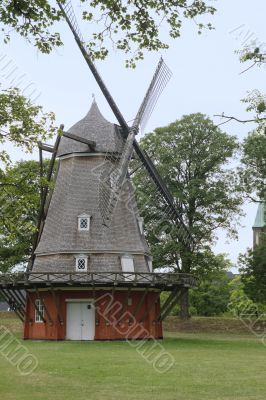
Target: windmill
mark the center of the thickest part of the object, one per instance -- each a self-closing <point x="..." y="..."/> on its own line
<point x="90" y="275"/>
<point x="109" y="192"/>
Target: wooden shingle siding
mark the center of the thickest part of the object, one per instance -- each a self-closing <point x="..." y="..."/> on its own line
<point x="93" y="127"/>
<point x="76" y="192"/>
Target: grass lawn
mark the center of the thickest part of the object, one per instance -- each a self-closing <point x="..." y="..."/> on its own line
<point x="207" y="366"/>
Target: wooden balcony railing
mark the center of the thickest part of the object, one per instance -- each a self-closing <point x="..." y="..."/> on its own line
<point x="91" y="278"/>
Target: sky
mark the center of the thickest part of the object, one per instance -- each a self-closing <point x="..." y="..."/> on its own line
<point x="206" y="78"/>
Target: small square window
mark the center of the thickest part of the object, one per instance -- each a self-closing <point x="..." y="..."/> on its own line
<point x="84" y="222"/>
<point x="81" y="263"/>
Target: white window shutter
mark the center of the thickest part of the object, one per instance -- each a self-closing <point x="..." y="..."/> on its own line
<point x="127" y="264"/>
<point x="141" y="225"/>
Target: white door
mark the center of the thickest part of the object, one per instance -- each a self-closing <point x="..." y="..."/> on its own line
<point x="80" y="321"/>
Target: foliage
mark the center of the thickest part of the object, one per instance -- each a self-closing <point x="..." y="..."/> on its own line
<point x="254" y="55"/>
<point x="254" y="273"/>
<point x="22" y="123"/>
<point x="240" y="304"/>
<point x="19" y="204"/>
<point x="192" y="155"/>
<point x="31" y="19"/>
<point x="257" y="104"/>
<point x="253" y="171"/>
<point x="212" y="296"/>
<point x="131" y="26"/>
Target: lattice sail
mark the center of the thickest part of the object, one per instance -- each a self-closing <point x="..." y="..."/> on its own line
<point x="109" y="194"/>
<point x="160" y="80"/>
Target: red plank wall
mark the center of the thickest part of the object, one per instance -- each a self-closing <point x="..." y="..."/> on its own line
<point x="114" y="318"/>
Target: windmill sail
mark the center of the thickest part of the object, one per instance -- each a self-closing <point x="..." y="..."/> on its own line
<point x="110" y="193"/>
<point x="159" y="81"/>
<point x="119" y="173"/>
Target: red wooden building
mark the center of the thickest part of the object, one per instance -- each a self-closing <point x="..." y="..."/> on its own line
<point x="88" y="279"/>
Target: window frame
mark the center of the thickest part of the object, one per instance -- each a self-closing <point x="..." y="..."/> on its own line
<point x="80" y="218"/>
<point x="126" y="268"/>
<point x="82" y="257"/>
<point x="39" y="304"/>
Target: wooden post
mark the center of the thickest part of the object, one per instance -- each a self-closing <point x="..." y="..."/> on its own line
<point x="44" y="197"/>
<point x="166" y="310"/>
<point x="169" y="299"/>
<point x="57" y="305"/>
<point x="139" y="305"/>
<point x="124" y="305"/>
<point x="41" y="173"/>
<point x="146" y="313"/>
<point x="18" y="300"/>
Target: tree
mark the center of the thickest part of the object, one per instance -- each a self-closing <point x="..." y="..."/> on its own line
<point x="253" y="54"/>
<point x="254" y="273"/>
<point x="22" y="123"/>
<point x="213" y="294"/>
<point x="19" y="205"/>
<point x="192" y="155"/>
<point x="243" y="307"/>
<point x="253" y="170"/>
<point x="130" y="25"/>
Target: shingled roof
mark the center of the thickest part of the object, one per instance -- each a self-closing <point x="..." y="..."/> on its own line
<point x="76" y="193"/>
<point x="94" y="127"/>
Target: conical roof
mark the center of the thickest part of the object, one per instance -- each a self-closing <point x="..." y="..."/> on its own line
<point x="76" y="193"/>
<point x="260" y="216"/>
<point x="95" y="127"/>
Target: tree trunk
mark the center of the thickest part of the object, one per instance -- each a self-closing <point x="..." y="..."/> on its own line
<point x="184" y="304"/>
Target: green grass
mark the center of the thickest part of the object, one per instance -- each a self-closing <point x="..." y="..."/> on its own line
<point x="207" y="366"/>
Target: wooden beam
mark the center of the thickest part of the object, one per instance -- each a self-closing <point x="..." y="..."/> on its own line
<point x="46" y="147"/>
<point x="97" y="318"/>
<point x="124" y="305"/>
<point x="90" y="143"/>
<point x="111" y="304"/>
<point x="139" y="305"/>
<point x="146" y="313"/>
<point x="49" y="197"/>
<point x="169" y="299"/>
<point x="40" y="223"/>
<point x="23" y="298"/>
<point x="57" y="305"/>
<point x="22" y="306"/>
<point x="169" y="308"/>
<point x="41" y="174"/>
<point x="12" y="305"/>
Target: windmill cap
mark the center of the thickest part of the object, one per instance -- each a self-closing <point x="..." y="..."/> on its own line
<point x="94" y="127"/>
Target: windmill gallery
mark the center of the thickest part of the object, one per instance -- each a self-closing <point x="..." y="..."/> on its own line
<point x="90" y="275"/>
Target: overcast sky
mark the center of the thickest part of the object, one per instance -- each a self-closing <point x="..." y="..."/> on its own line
<point x="206" y="78"/>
